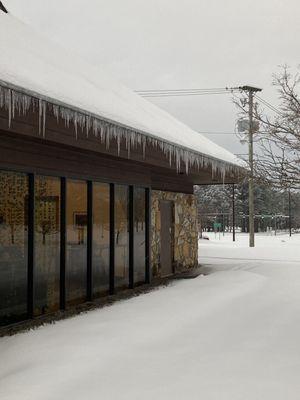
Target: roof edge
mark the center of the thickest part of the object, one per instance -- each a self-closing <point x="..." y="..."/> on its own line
<point x="15" y="98"/>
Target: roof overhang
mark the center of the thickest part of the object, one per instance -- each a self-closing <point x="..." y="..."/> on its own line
<point x="19" y="101"/>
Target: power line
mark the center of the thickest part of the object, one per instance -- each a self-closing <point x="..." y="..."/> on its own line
<point x="225" y="133"/>
<point x="199" y="92"/>
<point x="185" y="89"/>
<point x="216" y="133"/>
<point x="272" y="108"/>
<point x="184" y="92"/>
<point x="181" y="90"/>
<point x="267" y="104"/>
<point x="176" y="94"/>
<point x="181" y="94"/>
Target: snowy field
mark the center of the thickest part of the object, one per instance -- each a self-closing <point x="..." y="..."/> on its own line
<point x="231" y="334"/>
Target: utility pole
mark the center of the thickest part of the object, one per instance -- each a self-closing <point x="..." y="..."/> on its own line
<point x="290" y="214"/>
<point x="251" y="91"/>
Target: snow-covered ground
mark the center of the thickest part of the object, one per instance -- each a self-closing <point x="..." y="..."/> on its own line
<point x="231" y="334"/>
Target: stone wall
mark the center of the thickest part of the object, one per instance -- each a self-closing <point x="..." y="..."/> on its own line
<point x="185" y="230"/>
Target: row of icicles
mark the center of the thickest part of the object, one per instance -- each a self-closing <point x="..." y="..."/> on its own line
<point x="15" y="101"/>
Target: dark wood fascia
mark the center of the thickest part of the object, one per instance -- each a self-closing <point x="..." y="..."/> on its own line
<point x="63" y="137"/>
<point x="40" y="157"/>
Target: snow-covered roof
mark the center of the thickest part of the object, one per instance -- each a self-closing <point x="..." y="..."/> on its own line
<point x="37" y="66"/>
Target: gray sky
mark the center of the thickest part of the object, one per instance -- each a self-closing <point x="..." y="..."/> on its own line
<point x="165" y="44"/>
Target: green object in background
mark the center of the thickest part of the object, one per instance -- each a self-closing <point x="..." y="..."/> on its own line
<point x="217" y="225"/>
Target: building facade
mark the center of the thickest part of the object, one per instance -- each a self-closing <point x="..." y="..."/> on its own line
<point x="96" y="184"/>
<point x="68" y="236"/>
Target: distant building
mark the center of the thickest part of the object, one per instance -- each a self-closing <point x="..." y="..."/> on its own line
<point x="96" y="183"/>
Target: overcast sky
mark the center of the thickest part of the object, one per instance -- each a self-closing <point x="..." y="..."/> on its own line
<point x="166" y="44"/>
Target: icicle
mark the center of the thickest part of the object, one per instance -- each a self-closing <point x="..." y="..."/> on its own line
<point x="101" y="130"/>
<point x="223" y="176"/>
<point x="40" y="115"/>
<point x="55" y="110"/>
<point x="94" y="127"/>
<point x="75" y="126"/>
<point x="44" y="118"/>
<point x="128" y="150"/>
<point x="186" y="163"/>
<point x="14" y="100"/>
<point x="9" y="108"/>
<point x="119" y="144"/>
<point x="81" y="121"/>
<point x="65" y="115"/>
<point x="87" y="125"/>
<point x="144" y="148"/>
<point x="107" y="137"/>
<point x="13" y="104"/>
<point x="22" y="103"/>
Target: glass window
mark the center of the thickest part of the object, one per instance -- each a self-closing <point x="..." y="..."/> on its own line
<point x="139" y="232"/>
<point x="13" y="246"/>
<point x="100" y="238"/>
<point x="121" y="237"/>
<point x="46" y="244"/>
<point x="76" y="246"/>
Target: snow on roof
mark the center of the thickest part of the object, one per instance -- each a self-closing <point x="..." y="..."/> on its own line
<point x="33" y="63"/>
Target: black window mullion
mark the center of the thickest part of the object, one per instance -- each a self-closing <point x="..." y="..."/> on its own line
<point x="112" y="238"/>
<point x="63" y="194"/>
<point x="89" y="239"/>
<point x="30" y="254"/>
<point x="131" y="237"/>
<point x="147" y="234"/>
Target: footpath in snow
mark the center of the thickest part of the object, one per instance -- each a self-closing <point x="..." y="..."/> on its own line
<point x="232" y="334"/>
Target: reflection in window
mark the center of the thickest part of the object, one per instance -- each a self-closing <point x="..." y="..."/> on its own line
<point x="121" y="237"/>
<point x="46" y="244"/>
<point x="139" y="229"/>
<point x="13" y="246"/>
<point x="100" y="238"/>
<point x="76" y="261"/>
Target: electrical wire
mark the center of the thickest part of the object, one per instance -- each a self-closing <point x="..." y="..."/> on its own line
<point x="202" y="92"/>
<point x="216" y="133"/>
<point x="184" y="92"/>
<point x="267" y="104"/>
<point x="179" y="90"/>
<point x="199" y="92"/>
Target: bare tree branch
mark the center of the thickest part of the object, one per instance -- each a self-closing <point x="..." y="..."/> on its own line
<point x="279" y="135"/>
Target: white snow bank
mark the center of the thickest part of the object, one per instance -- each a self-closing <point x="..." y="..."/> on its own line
<point x="32" y="62"/>
<point x="230" y="335"/>
<point x="268" y="247"/>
